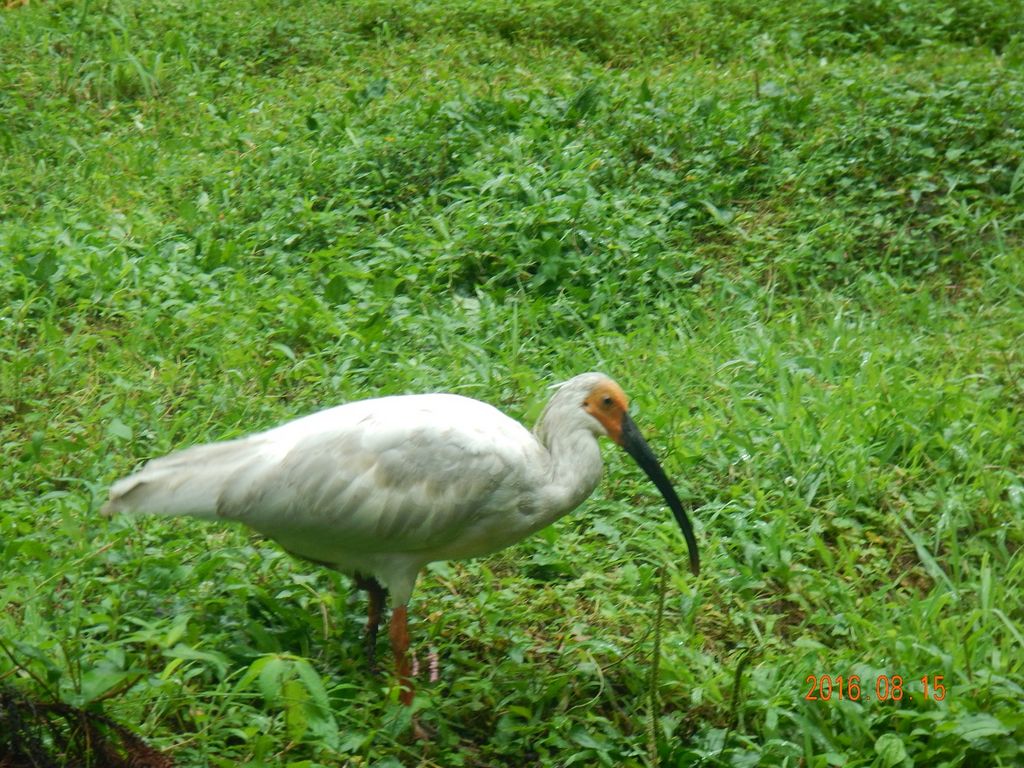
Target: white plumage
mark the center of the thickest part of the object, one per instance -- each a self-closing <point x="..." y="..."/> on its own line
<point x="379" y="488"/>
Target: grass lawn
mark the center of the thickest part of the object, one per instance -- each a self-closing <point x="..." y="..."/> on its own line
<point x="794" y="233"/>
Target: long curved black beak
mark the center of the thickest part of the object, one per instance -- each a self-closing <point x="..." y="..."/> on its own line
<point x="634" y="444"/>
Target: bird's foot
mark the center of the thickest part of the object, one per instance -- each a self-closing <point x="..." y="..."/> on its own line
<point x="420" y="732"/>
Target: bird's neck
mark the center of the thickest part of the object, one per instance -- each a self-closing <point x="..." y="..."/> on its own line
<point x="574" y="469"/>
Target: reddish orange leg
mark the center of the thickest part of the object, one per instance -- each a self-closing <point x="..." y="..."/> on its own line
<point x="399" y="634"/>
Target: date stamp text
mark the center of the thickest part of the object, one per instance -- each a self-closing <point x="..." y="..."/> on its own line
<point x="886" y="688"/>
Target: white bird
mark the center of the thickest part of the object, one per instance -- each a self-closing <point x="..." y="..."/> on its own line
<point x="379" y="488"/>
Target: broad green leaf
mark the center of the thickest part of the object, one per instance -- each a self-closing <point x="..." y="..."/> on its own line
<point x="890" y="749"/>
<point x="271" y="676"/>
<point x="117" y="428"/>
<point x="980" y="726"/>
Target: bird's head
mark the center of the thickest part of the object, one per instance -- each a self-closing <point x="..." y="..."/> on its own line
<point x="601" y="406"/>
<point x="607" y="404"/>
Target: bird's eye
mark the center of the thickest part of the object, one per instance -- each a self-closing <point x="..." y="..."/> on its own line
<point x="607" y="401"/>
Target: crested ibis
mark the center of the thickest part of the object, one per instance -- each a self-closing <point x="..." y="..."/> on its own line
<point x="379" y="488"/>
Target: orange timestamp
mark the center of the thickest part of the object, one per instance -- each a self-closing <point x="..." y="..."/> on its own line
<point x="887" y="688"/>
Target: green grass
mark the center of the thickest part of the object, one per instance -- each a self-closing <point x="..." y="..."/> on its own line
<point x="793" y="233"/>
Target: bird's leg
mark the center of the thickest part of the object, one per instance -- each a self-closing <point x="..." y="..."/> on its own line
<point x="399" y="634"/>
<point x="377" y="595"/>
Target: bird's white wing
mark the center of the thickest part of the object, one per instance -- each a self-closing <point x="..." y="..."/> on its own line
<point x="387" y="475"/>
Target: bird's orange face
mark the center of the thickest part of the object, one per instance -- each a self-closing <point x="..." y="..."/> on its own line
<point x="608" y="404"/>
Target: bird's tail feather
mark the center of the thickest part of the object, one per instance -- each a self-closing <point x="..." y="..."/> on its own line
<point x="188" y="482"/>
